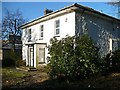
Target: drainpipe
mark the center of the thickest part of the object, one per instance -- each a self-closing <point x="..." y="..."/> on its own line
<point x="119" y="9"/>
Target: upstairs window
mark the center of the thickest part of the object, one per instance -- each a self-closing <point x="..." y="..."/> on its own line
<point x="25" y="32"/>
<point x="41" y="31"/>
<point x="57" y="27"/>
<point x="29" y="34"/>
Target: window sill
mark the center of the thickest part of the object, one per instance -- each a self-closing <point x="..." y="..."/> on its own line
<point x="57" y="36"/>
<point x="40" y="38"/>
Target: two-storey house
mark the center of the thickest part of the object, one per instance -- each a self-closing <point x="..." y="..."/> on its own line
<point x="71" y="20"/>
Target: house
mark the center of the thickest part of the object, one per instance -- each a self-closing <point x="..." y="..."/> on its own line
<point x="71" y="20"/>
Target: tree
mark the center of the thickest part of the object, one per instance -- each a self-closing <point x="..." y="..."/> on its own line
<point x="116" y="3"/>
<point x="10" y="26"/>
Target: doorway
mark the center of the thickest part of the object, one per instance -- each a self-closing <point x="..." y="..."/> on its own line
<point x="31" y="56"/>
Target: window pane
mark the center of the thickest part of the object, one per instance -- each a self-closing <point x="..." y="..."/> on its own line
<point x="25" y="31"/>
<point x="29" y="31"/>
<point x="41" y="55"/>
<point x="41" y="34"/>
<point x="57" y="31"/>
<point x="57" y="27"/>
<point x="57" y="23"/>
<point x="41" y="27"/>
<point x="41" y="30"/>
<point x="29" y="35"/>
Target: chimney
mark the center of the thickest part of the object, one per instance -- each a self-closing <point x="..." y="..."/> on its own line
<point x="46" y="11"/>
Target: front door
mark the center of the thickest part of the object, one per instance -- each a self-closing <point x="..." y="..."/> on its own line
<point x="31" y="56"/>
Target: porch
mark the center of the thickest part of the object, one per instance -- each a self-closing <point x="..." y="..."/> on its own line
<point x="36" y="55"/>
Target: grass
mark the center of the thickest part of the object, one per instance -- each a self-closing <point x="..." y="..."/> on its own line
<point x="12" y="73"/>
<point x="13" y="77"/>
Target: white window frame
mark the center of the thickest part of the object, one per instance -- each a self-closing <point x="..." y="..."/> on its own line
<point x="57" y="27"/>
<point x="111" y="42"/>
<point x="41" y="35"/>
<point x="41" y="62"/>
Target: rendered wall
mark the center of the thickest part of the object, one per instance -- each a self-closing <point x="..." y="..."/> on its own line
<point x="100" y="30"/>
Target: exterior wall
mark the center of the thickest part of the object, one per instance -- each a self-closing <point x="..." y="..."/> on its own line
<point x="100" y="30"/>
<point x="1" y="53"/>
<point x="67" y="27"/>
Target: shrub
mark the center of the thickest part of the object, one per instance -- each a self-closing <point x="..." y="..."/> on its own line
<point x="73" y="58"/>
<point x="112" y="62"/>
<point x="20" y="63"/>
<point x="10" y="57"/>
<point x="87" y="57"/>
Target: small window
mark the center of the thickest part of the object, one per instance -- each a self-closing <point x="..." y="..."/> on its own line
<point x="41" y="31"/>
<point x="57" y="27"/>
<point x="114" y="44"/>
<point x="25" y="32"/>
<point x="29" y="34"/>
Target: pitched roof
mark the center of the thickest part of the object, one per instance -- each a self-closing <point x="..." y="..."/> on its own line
<point x="72" y="7"/>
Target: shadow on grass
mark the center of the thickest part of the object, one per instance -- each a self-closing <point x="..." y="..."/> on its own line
<point x="56" y="84"/>
<point x="48" y="84"/>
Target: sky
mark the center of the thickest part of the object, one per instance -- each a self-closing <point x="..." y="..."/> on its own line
<point x="32" y="10"/>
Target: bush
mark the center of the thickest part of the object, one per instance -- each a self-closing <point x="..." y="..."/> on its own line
<point x="20" y="63"/>
<point x="10" y="57"/>
<point x="73" y="58"/>
<point x="112" y="62"/>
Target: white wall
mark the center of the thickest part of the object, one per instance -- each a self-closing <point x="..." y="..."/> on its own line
<point x="67" y="27"/>
<point x="100" y="30"/>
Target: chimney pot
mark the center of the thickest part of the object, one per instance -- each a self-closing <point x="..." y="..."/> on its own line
<point x="46" y="11"/>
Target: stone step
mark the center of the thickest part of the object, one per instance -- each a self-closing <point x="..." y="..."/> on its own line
<point x="32" y="69"/>
<point x="27" y="68"/>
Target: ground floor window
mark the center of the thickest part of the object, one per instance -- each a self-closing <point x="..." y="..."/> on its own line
<point x="114" y="44"/>
<point x="41" y="55"/>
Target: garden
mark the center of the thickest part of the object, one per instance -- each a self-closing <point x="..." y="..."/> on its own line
<point x="75" y="62"/>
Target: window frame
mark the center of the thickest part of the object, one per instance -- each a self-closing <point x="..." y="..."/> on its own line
<point x="57" y="27"/>
<point x="41" y="32"/>
<point x="40" y="62"/>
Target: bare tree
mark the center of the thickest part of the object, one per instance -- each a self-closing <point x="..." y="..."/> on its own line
<point x="10" y="26"/>
<point x="116" y="3"/>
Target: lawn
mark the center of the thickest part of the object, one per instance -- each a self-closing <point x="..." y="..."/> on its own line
<point x="12" y="73"/>
<point x="13" y="78"/>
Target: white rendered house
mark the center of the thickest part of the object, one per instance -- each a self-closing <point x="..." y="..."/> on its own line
<point x="71" y="20"/>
